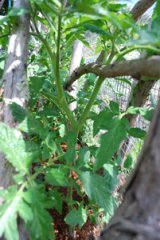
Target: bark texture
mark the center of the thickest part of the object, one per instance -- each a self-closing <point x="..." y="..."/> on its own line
<point x="139" y="96"/>
<point x="14" y="79"/>
<point x="138" y="68"/>
<point x="15" y="88"/>
<point x="141" y="7"/>
<point x="138" y="215"/>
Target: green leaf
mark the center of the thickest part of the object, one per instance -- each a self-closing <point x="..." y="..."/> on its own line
<point x="14" y="148"/>
<point x="8" y="214"/>
<point x="25" y="212"/>
<point x="110" y="169"/>
<point x="57" y="200"/>
<point x="18" y="112"/>
<point x="146" y="112"/>
<point x="110" y="175"/>
<point x="41" y="226"/>
<point x="137" y="133"/>
<point x="77" y="217"/>
<point x="96" y="29"/>
<point x="114" y="107"/>
<point x="70" y="155"/>
<point x="128" y="163"/>
<point x="84" y="157"/>
<point x="50" y="142"/>
<point x="95" y="188"/>
<point x="115" y="6"/>
<point x="110" y="142"/>
<point x="57" y="176"/>
<point x="102" y="121"/>
<point x="93" y="10"/>
<point x="36" y="83"/>
<point x="32" y="125"/>
<point x="149" y="114"/>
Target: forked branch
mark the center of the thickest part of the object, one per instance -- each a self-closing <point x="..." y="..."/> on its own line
<point x="138" y="68"/>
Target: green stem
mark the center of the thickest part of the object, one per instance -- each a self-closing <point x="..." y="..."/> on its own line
<point x="55" y="71"/>
<point x="149" y="48"/>
<point x="90" y="103"/>
<point x="112" y="53"/>
<point x="60" y="91"/>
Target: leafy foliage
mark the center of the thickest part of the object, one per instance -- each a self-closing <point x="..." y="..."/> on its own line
<point x="95" y="189"/>
<point x="8" y="214"/>
<point x="54" y="166"/>
<point x="77" y="217"/>
<point x="13" y="146"/>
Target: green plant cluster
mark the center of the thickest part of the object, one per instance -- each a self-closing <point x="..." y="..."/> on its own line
<point x="46" y="149"/>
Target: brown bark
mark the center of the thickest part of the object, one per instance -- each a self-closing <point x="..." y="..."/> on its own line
<point x="138" y="68"/>
<point x="141" y="7"/>
<point x="139" y="96"/>
<point x="15" y="88"/>
<point x="138" y="215"/>
<point x="14" y="78"/>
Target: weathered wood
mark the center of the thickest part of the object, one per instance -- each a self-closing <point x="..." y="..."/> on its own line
<point x="141" y="7"/>
<point x="137" y="68"/>
<point x="138" y="215"/>
<point x="14" y="79"/>
<point x="15" y="88"/>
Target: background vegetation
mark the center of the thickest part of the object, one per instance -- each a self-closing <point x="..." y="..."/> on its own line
<point x="62" y="162"/>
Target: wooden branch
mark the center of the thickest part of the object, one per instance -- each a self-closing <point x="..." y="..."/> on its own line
<point x="141" y="7"/>
<point x="138" y="68"/>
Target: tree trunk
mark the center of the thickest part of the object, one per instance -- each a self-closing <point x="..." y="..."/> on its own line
<point x="15" y="85"/>
<point x="14" y="78"/>
<point x="138" y="215"/>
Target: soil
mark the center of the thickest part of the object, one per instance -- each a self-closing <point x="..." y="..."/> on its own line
<point x="88" y="232"/>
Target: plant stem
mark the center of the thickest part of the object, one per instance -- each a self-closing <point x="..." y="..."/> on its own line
<point x="112" y="53"/>
<point x="146" y="47"/>
<point x="55" y="68"/>
<point x="60" y="91"/>
<point x="90" y="103"/>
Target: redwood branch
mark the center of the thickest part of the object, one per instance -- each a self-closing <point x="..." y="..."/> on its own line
<point x="141" y="7"/>
<point x="138" y="68"/>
